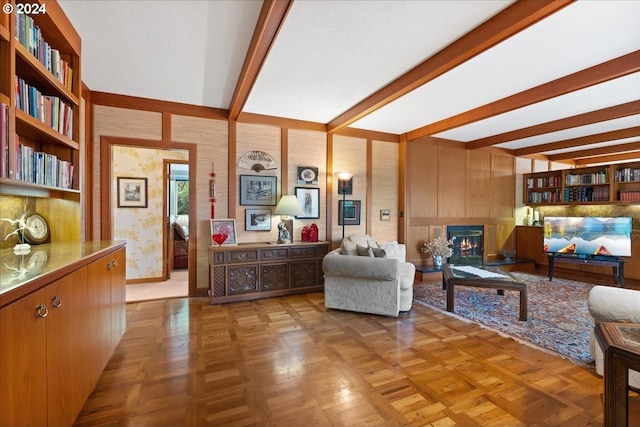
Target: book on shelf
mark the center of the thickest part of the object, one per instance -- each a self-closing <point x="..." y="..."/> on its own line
<point x="4" y="140"/>
<point x="30" y="36"/>
<point x="50" y="110"/>
<point x="42" y="168"/>
<point x="627" y="175"/>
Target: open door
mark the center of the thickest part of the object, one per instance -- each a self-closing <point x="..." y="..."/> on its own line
<point x="177" y="216"/>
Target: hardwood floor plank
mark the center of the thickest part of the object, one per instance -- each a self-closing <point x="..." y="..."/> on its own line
<point x="289" y="361"/>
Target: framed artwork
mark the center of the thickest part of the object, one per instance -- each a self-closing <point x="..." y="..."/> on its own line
<point x="257" y="219"/>
<point x="307" y="175"/>
<point x="221" y="228"/>
<point x="309" y="201"/>
<point x="258" y="190"/>
<point x="132" y="192"/>
<point x="348" y="212"/>
<point x="385" y="215"/>
<point x="346" y="187"/>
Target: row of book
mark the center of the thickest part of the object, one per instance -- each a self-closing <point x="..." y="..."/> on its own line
<point x="545" y="196"/>
<point x="586" y="194"/>
<point x="50" y="110"/>
<point x="42" y="168"/>
<point x="601" y="177"/>
<point x="546" y="181"/>
<point x="4" y="140"/>
<point x="626" y="175"/>
<point x="630" y="195"/>
<point x="30" y="36"/>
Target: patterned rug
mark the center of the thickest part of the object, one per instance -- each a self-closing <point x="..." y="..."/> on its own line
<point x="558" y="317"/>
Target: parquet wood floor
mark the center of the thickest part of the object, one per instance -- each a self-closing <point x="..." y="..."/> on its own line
<point x="290" y="362"/>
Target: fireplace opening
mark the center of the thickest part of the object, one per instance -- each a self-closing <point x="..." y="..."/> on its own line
<point x="468" y="246"/>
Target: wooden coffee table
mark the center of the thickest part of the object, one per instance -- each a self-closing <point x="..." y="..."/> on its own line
<point x="473" y="276"/>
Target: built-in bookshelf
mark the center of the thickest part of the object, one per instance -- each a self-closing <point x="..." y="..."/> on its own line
<point x="40" y="90"/>
<point x="605" y="184"/>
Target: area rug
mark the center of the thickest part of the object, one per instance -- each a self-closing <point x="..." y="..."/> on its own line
<point x="558" y="316"/>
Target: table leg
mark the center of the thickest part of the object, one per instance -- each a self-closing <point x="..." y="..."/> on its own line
<point x="615" y="274"/>
<point x="523" y="304"/>
<point x="550" y="268"/>
<point x="450" y="303"/>
<point x="621" y="273"/>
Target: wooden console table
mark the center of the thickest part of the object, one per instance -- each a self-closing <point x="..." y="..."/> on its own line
<point x="262" y="270"/>
<point x="620" y="343"/>
<point x="616" y="263"/>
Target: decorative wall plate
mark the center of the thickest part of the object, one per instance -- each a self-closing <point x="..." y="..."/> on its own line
<point x="257" y="161"/>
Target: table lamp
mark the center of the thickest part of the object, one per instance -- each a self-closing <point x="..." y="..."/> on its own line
<point x="288" y="206"/>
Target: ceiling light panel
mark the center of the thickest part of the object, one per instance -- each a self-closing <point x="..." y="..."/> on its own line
<point x="583" y="34"/>
<point x="330" y="55"/>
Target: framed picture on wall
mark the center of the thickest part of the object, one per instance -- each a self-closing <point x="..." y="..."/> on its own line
<point x="257" y="219"/>
<point x="349" y="212"/>
<point x="258" y="190"/>
<point x="309" y="201"/>
<point x="221" y="228"/>
<point x="308" y="175"/>
<point x="132" y="192"/>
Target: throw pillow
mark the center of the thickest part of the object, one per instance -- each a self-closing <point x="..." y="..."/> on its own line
<point x="363" y="240"/>
<point x="180" y="231"/>
<point x="364" y="251"/>
<point x="378" y="252"/>
<point x="392" y="248"/>
<point x="348" y="248"/>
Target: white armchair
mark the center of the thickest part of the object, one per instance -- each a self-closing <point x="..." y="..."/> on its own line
<point x="609" y="304"/>
<point x="368" y="284"/>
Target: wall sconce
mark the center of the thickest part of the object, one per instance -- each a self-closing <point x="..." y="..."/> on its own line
<point x="287" y="206"/>
<point x="345" y="186"/>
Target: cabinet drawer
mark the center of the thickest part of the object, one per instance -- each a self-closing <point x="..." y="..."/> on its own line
<point x="303" y="252"/>
<point x="274" y="254"/>
<point x="250" y="255"/>
<point x="242" y="279"/>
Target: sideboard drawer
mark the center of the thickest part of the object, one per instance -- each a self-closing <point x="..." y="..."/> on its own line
<point x="273" y="254"/>
<point x="241" y="256"/>
<point x="303" y="252"/>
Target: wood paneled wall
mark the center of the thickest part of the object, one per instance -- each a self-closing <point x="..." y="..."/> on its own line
<point x="450" y="185"/>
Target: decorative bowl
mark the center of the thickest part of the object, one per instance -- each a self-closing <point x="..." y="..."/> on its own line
<point x="508" y="254"/>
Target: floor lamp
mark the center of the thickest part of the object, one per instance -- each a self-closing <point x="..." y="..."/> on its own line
<point x="343" y="185"/>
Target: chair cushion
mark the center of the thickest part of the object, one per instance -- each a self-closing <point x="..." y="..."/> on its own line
<point x="180" y="231"/>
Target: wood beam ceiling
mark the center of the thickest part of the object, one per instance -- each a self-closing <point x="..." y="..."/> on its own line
<point x="614" y="158"/>
<point x="591" y="152"/>
<point x="609" y="113"/>
<point x="577" y="142"/>
<point x="510" y="21"/>
<point x="615" y="68"/>
<point x="272" y="16"/>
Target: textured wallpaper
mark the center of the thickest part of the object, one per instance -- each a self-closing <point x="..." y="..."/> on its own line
<point x="141" y="227"/>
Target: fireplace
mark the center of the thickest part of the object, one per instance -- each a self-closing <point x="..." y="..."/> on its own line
<point x="468" y="246"/>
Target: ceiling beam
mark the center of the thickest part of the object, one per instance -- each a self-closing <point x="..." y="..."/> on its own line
<point x="615" y="68"/>
<point x="505" y="24"/>
<point x="620" y="157"/>
<point x="591" y="152"/>
<point x="272" y="16"/>
<point x="604" y="114"/>
<point x="582" y="140"/>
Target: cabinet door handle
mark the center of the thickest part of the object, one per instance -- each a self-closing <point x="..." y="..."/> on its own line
<point x="56" y="302"/>
<point x="41" y="310"/>
<point x="114" y="263"/>
<point x="109" y="266"/>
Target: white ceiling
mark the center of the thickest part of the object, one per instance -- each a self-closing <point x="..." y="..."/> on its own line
<point x="329" y="56"/>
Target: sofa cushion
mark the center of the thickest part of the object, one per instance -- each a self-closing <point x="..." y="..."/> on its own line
<point x="364" y="250"/>
<point x="363" y="240"/>
<point x="392" y="249"/>
<point x="348" y="248"/>
<point x="180" y="231"/>
<point x="378" y="252"/>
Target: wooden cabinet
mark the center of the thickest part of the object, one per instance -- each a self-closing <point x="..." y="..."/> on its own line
<point x="605" y="184"/>
<point x="56" y="340"/>
<point x="529" y="244"/>
<point x="252" y="271"/>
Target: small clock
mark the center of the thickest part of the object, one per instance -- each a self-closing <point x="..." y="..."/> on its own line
<point x="36" y="229"/>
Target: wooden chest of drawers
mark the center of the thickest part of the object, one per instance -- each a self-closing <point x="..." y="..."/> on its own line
<point x="262" y="270"/>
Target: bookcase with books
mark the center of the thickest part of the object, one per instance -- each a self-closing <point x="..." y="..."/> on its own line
<point x="605" y="184"/>
<point x="40" y="109"/>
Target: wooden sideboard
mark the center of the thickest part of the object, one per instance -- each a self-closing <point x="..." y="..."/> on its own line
<point x="262" y="270"/>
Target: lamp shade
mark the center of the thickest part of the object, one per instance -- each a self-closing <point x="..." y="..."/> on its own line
<point x="288" y="205"/>
<point x="344" y="176"/>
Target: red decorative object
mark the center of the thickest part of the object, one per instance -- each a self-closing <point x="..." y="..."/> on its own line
<point x="220" y="238"/>
<point x="313" y="233"/>
<point x="305" y="234"/>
